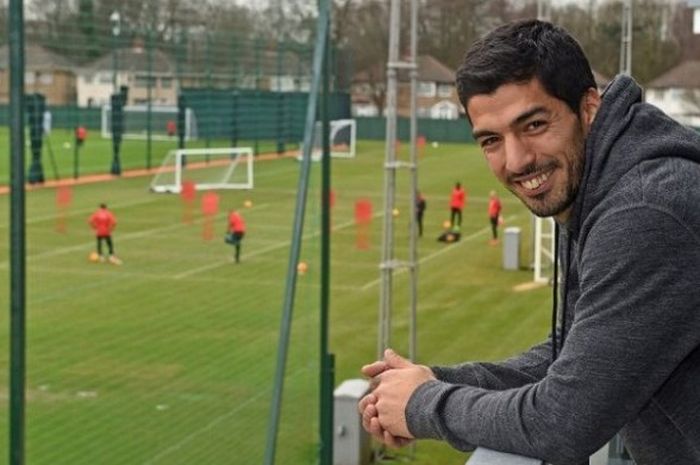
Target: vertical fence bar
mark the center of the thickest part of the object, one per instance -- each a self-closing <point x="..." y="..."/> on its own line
<point x="298" y="227"/>
<point x="326" y="381"/>
<point x="17" y="236"/>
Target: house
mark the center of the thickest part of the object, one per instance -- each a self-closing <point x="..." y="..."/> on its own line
<point x="677" y="92"/>
<point x="130" y="67"/>
<point x="45" y="72"/>
<point x="436" y="95"/>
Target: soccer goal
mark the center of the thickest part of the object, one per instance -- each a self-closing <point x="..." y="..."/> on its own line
<point x="215" y="168"/>
<point x="342" y="138"/>
<point x="163" y="122"/>
<point x="544" y="249"/>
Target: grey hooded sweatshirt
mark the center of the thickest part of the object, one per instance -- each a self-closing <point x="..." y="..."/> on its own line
<point x="629" y="360"/>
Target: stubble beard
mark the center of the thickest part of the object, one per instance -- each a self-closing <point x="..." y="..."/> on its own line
<point x="561" y="197"/>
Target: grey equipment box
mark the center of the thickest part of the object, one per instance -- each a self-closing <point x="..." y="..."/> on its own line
<point x="511" y="248"/>
<point x="351" y="445"/>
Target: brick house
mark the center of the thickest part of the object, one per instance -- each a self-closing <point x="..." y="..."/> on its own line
<point x="45" y="72"/>
<point x="436" y="95"/>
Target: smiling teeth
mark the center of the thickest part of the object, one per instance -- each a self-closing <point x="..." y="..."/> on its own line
<point x="534" y="183"/>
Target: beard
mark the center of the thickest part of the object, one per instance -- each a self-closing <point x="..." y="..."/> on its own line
<point x="562" y="196"/>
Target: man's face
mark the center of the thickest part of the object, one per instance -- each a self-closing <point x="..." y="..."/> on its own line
<point x="534" y="143"/>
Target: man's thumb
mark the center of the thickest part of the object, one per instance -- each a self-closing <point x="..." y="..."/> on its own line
<point x="394" y="360"/>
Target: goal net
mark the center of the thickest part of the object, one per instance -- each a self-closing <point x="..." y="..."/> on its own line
<point x="342" y="140"/>
<point x="215" y="168"/>
<point x="163" y="122"/>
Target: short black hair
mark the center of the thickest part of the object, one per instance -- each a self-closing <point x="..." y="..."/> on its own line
<point x="103" y="205"/>
<point x="522" y="50"/>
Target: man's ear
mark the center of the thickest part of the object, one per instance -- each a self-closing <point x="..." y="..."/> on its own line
<point x="590" y="102"/>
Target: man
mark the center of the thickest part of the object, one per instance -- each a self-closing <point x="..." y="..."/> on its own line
<point x="420" y="210"/>
<point x="621" y="180"/>
<point x="103" y="222"/>
<point x="494" y="210"/>
<point x="236" y="231"/>
<point x="457" y="199"/>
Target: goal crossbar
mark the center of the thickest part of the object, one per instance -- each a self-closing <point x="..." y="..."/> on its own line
<point x="207" y="168"/>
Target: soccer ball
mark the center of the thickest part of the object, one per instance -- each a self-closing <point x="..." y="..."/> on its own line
<point x="302" y="267"/>
<point x="94" y="257"/>
<point x="66" y="145"/>
<point x="395" y="212"/>
<point x="446" y="224"/>
<point x="435" y="145"/>
<point x="248" y="204"/>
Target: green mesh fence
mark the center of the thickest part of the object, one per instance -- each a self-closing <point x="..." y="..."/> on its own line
<point x="237" y="80"/>
<point x="169" y="357"/>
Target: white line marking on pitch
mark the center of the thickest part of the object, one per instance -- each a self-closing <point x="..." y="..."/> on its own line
<point x="438" y="253"/>
<point x="277" y="246"/>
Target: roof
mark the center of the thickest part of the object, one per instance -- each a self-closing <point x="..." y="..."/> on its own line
<point x="134" y="59"/>
<point x="429" y="69"/>
<point x="37" y="57"/>
<point x="686" y="76"/>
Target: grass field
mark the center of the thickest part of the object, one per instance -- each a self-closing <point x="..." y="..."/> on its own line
<point x="169" y="358"/>
<point x="95" y="155"/>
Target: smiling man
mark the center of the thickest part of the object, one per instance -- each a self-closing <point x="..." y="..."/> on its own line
<point x="622" y="181"/>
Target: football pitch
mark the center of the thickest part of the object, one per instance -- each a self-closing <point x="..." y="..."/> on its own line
<point x="169" y="358"/>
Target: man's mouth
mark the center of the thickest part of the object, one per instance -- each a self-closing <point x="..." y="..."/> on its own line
<point x="536" y="182"/>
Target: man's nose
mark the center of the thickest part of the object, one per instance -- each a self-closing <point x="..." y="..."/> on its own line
<point x="519" y="155"/>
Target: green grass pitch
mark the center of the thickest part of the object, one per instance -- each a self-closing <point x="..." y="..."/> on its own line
<point x="169" y="358"/>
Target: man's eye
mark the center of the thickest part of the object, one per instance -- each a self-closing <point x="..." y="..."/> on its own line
<point x="533" y="125"/>
<point x="488" y="141"/>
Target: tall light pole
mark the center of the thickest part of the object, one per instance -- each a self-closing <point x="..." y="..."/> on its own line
<point x="115" y="20"/>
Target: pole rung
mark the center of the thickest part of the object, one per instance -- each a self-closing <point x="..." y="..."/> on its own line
<point x="399" y="164"/>
<point x="396" y="264"/>
<point x="402" y="65"/>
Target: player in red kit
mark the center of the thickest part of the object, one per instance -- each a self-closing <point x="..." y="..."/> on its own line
<point x="494" y="215"/>
<point x="457" y="201"/>
<point x="103" y="223"/>
<point x="236" y="231"/>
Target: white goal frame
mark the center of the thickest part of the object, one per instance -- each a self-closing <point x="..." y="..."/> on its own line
<point x="193" y="158"/>
<point x="544" y="249"/>
<point x="190" y="122"/>
<point x="335" y="126"/>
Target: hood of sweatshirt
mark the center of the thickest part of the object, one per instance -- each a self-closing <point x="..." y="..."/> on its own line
<point x="632" y="131"/>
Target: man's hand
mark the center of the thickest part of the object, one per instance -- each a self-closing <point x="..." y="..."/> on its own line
<point x="393" y="381"/>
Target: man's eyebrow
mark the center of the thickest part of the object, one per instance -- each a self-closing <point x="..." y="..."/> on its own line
<point x="518" y="120"/>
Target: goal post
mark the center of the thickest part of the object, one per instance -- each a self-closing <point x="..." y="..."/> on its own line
<point x="343" y="133"/>
<point x="207" y="169"/>
<point x="163" y="122"/>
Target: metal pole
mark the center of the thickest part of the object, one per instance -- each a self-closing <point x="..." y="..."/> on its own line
<point x="413" y="245"/>
<point x="290" y="282"/>
<point x="386" y="269"/>
<point x="626" y="39"/>
<point x="326" y="359"/>
<point x="17" y="236"/>
<point x="149" y="90"/>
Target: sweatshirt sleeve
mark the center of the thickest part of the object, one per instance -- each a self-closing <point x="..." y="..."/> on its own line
<point x="636" y="319"/>
<point x="526" y="368"/>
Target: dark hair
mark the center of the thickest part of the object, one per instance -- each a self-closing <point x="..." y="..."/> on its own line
<point x="103" y="205"/>
<point x="522" y="50"/>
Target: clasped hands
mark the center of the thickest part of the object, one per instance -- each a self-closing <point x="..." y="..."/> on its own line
<point x="392" y="382"/>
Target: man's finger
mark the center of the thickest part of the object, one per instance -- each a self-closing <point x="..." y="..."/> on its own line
<point x="365" y="401"/>
<point x="375" y="429"/>
<point x="394" y="360"/>
<point x="373" y="369"/>
<point x="367" y="415"/>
